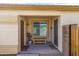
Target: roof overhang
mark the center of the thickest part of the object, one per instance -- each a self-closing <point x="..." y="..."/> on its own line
<point x="39" y="7"/>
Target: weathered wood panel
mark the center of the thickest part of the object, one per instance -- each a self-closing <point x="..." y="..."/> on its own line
<point x="71" y="40"/>
<point x="66" y="40"/>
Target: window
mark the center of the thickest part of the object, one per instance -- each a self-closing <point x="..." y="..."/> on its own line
<point x="40" y="28"/>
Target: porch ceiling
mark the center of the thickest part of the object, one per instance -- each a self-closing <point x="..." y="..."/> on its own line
<point x="39" y="7"/>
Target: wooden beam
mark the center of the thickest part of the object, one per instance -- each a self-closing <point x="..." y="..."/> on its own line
<point x="38" y="7"/>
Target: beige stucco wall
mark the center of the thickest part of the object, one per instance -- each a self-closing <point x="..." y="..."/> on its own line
<point x="8" y="34"/>
<point x="70" y="18"/>
<point x="9" y="27"/>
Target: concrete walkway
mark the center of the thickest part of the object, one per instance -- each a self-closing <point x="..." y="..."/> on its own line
<point x="40" y="50"/>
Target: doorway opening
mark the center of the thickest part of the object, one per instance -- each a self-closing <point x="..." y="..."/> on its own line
<point x="56" y="32"/>
<point x="38" y="35"/>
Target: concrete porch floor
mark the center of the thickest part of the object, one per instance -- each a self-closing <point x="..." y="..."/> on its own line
<point x="40" y="50"/>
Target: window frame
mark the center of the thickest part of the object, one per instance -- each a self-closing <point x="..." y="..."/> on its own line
<point x="40" y="21"/>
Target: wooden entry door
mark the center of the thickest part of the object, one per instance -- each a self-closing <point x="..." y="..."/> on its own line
<point x="22" y="35"/>
<point x="66" y="40"/>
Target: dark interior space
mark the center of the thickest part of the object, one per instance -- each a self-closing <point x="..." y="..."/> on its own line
<point x="56" y="32"/>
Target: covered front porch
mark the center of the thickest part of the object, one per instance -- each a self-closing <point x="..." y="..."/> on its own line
<point x="38" y="35"/>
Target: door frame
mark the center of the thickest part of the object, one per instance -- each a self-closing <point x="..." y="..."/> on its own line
<point x="19" y="33"/>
